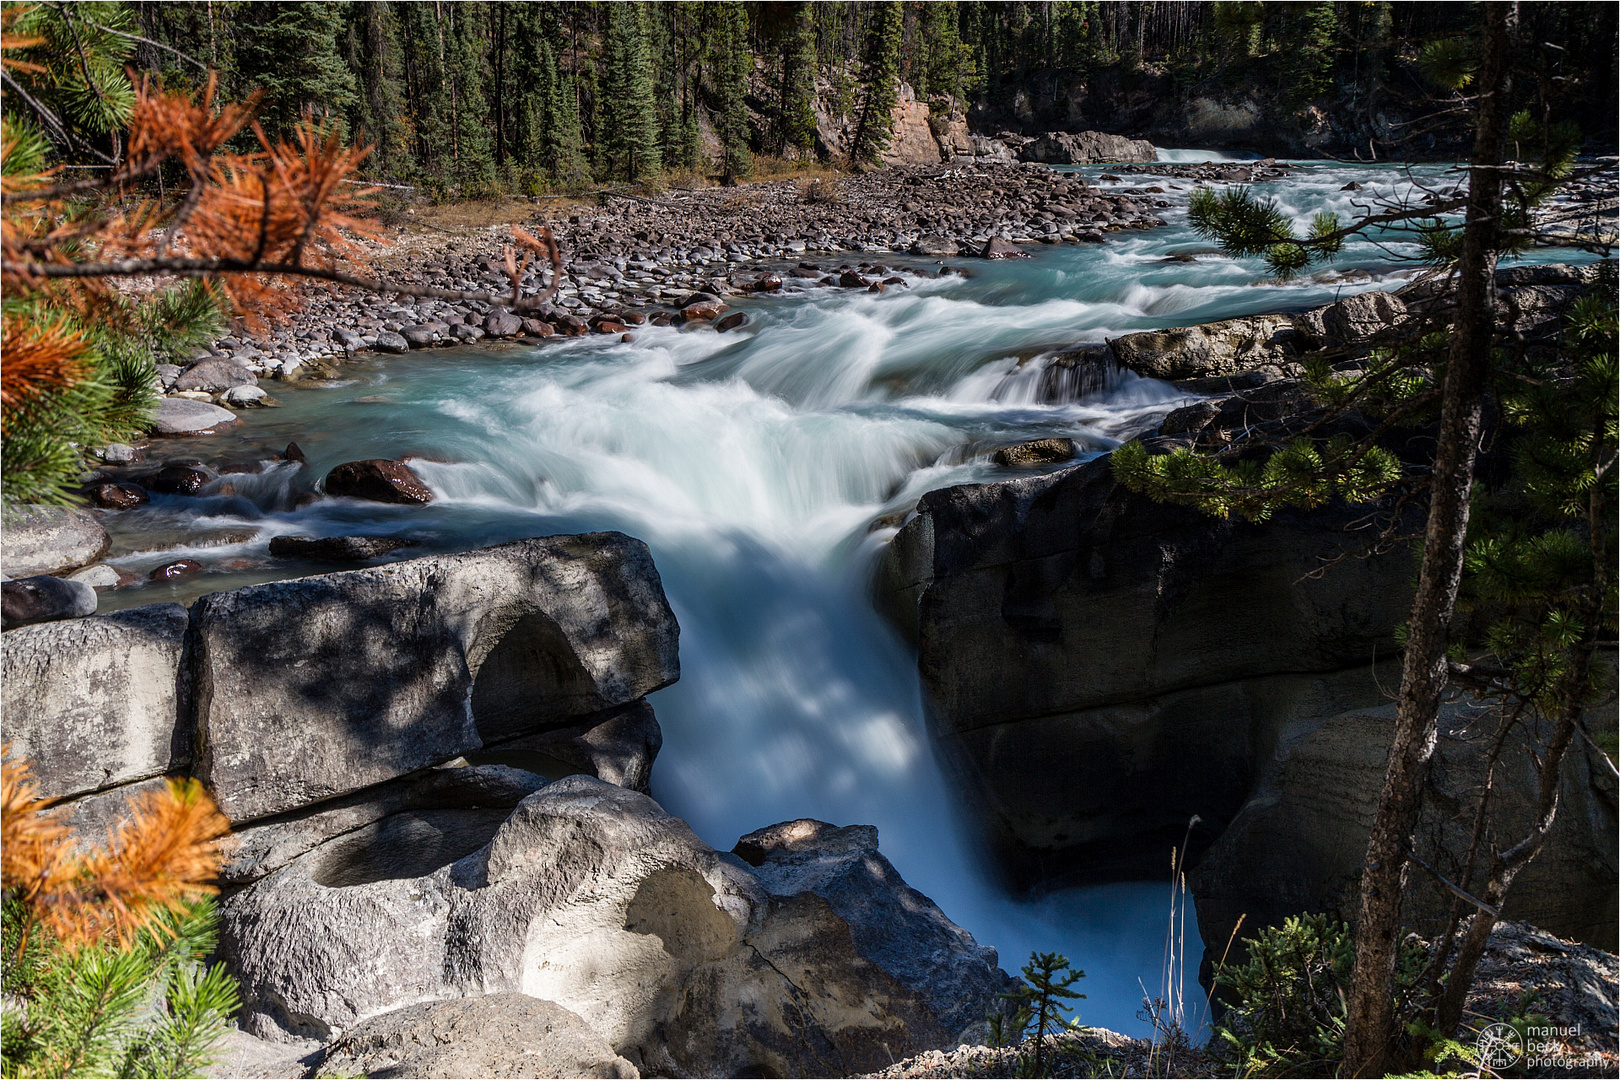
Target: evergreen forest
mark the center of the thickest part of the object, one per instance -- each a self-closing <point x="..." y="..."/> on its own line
<point x="476" y="97"/>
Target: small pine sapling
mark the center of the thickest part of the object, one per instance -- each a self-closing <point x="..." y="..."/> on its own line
<point x="1038" y="1007"/>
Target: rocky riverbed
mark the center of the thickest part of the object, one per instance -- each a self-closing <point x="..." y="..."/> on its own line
<point x="637" y="258"/>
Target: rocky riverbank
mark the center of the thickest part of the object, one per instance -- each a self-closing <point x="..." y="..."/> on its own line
<point x="637" y="258"/>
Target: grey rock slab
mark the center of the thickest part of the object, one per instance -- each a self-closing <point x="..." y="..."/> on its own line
<point x="182" y="416"/>
<point x="240" y="1056"/>
<point x="95" y="702"/>
<point x="261" y="848"/>
<point x="215" y="376"/>
<point x="49" y="539"/>
<point x="29" y="600"/>
<point x="312" y="688"/>
<point x="497" y="1035"/>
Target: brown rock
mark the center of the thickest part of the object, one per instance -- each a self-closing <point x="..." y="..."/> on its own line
<point x="849" y="279"/>
<point x="118" y="496"/>
<point x="702" y="310"/>
<point x="732" y="321"/>
<point x="182" y="479"/>
<point x="1036" y="452"/>
<point x="379" y="480"/>
<point x="176" y="571"/>
<point x="609" y="326"/>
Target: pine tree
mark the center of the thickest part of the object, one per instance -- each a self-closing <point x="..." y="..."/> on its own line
<point x="466" y="67"/>
<point x="371" y="49"/>
<point x="1038" y="1006"/>
<point x="564" y="147"/>
<point x="945" y="68"/>
<point x="629" y="133"/>
<point x="290" y="51"/>
<point x="731" y="62"/>
<point x="879" y="84"/>
<point x="427" y="91"/>
<point x="796" y="113"/>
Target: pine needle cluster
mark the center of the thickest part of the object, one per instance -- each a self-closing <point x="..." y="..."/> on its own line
<point x="1301" y="473"/>
<point x="1542" y="551"/>
<point x="103" y="947"/>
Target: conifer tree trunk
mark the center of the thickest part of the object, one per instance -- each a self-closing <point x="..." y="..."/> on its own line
<point x="1370" y="1028"/>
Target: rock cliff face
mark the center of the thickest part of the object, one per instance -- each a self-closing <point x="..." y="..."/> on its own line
<point x="1103" y="667"/>
<point x="1298" y="843"/>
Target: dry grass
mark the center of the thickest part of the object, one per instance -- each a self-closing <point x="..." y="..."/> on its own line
<point x="472" y="215"/>
<point x="776" y="168"/>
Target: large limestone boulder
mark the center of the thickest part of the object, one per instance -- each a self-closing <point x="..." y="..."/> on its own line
<point x="686" y="961"/>
<point x="183" y="416"/>
<point x="1214" y="349"/>
<point x="1103" y="667"/>
<point x="1298" y="843"/>
<point x="498" y="1035"/>
<point x="93" y="703"/>
<point x="215" y="376"/>
<point x="49" y="540"/>
<point x="1086" y="148"/>
<point x="312" y="688"/>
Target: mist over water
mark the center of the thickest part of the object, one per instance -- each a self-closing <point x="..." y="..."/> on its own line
<point x="755" y="464"/>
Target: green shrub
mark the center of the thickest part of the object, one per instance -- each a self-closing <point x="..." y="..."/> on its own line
<point x="1286" y="1006"/>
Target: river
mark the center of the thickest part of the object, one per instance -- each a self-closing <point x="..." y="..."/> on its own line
<point x="754" y="464"/>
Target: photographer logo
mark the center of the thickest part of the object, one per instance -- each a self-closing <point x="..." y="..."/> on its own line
<point x="1499" y="1046"/>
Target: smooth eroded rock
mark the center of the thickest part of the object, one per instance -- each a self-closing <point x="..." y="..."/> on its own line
<point x="312" y="688"/>
<point x="215" y="376"/>
<point x="497" y="1035"/>
<point x="618" y="746"/>
<point x="377" y="480"/>
<point x="182" y="416"/>
<point x="43" y="598"/>
<point x="687" y="962"/>
<point x="95" y="702"/>
<point x="261" y="848"/>
<point x="49" y="539"/>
